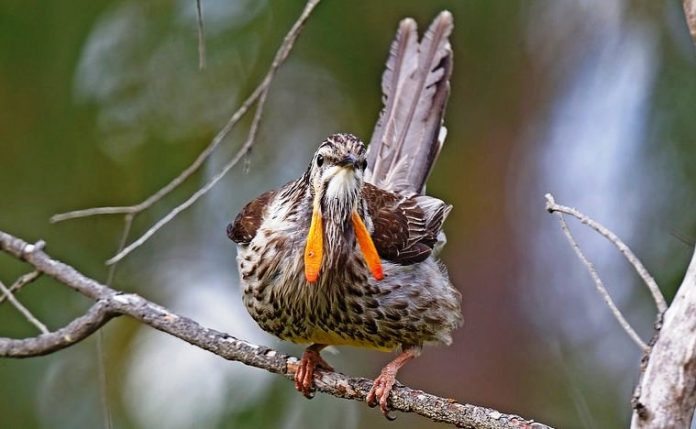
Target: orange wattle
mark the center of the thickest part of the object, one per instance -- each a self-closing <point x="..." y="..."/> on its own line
<point x="314" y="249"/>
<point x="368" y="247"/>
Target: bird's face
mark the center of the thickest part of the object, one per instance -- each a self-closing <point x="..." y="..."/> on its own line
<point x="337" y="170"/>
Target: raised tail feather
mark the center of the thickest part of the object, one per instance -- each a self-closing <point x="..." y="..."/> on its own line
<point x="409" y="134"/>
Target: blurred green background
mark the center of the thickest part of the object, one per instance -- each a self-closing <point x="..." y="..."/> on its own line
<point x="102" y="103"/>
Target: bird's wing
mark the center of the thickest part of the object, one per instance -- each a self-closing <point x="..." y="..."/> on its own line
<point x="248" y="221"/>
<point x="409" y="134"/>
<point x="405" y="229"/>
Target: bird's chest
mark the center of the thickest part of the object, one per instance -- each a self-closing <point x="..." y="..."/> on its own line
<point x="279" y="298"/>
<point x="272" y="265"/>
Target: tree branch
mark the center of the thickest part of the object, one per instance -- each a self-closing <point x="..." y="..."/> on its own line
<point x="50" y="342"/>
<point x="111" y="303"/>
<point x="666" y="394"/>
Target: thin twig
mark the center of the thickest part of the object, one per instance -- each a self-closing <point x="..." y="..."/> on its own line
<point x="597" y="280"/>
<point x="201" y="36"/>
<point x="22" y="309"/>
<point x="660" y="302"/>
<point x="111" y="303"/>
<point x="20" y="283"/>
<point x="94" y="211"/>
<point x="601" y="288"/>
<point x="181" y="178"/>
<point x="202" y="191"/>
<point x="279" y="59"/>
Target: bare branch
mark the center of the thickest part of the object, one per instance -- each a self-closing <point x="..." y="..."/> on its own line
<point x="201" y="36"/>
<point x="95" y="211"/>
<point x="111" y="303"/>
<point x="20" y="283"/>
<point x="600" y="285"/>
<point x="50" y="342"/>
<point x="22" y="309"/>
<point x="660" y="302"/>
<point x="202" y="191"/>
<point x="666" y="394"/>
<point x="278" y="60"/>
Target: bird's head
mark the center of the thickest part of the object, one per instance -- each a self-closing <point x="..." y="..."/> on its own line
<point x="336" y="172"/>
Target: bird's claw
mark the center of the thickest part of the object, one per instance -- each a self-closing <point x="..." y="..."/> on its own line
<point x="379" y="393"/>
<point x="304" y="376"/>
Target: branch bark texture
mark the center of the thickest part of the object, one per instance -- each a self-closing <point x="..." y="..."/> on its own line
<point x="666" y="394"/>
<point x="110" y="303"/>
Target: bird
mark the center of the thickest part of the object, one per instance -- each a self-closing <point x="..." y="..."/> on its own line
<point x="346" y="255"/>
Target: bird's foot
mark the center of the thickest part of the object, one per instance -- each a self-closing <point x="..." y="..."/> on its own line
<point x="380" y="391"/>
<point x="383" y="384"/>
<point x="304" y="376"/>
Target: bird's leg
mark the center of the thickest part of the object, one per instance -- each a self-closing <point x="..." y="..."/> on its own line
<point x="304" y="376"/>
<point x="384" y="383"/>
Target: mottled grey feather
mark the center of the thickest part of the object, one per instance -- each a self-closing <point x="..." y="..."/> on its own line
<point x="409" y="135"/>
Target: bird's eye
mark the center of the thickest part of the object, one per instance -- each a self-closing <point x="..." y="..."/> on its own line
<point x="363" y="165"/>
<point x="320" y="160"/>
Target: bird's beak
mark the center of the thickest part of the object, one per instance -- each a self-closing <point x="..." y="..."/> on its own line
<point x="348" y="161"/>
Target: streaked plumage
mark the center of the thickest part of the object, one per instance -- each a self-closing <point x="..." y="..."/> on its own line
<point x="414" y="303"/>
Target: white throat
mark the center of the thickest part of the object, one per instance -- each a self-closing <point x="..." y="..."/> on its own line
<point x="341" y="194"/>
<point x="343" y="184"/>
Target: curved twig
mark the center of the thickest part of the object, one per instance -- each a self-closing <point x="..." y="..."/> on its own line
<point x="202" y="191"/>
<point x="111" y="303"/>
<point x="50" y="342"/>
<point x="601" y="288"/>
<point x="660" y="302"/>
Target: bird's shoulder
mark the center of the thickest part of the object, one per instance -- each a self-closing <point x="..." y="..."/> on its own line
<point x="243" y="229"/>
<point x="405" y="228"/>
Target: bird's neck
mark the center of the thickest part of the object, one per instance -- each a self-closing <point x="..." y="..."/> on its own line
<point x="337" y="213"/>
<point x="339" y="235"/>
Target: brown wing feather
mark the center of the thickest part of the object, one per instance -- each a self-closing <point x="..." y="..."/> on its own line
<point x="248" y="221"/>
<point x="402" y="232"/>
